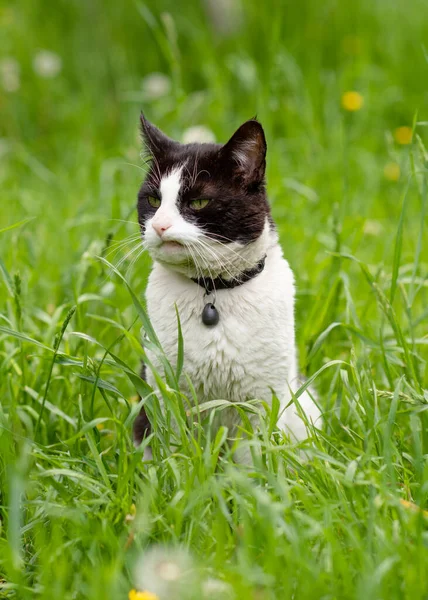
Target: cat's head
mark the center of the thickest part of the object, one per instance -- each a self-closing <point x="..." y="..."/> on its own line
<point x="202" y="207"/>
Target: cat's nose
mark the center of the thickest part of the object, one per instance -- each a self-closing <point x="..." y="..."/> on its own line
<point x="161" y="227"/>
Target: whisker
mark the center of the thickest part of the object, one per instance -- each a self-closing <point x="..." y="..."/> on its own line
<point x="226" y="262"/>
<point x="230" y="250"/>
<point x="155" y="175"/>
<point x="136" y="166"/>
<point x="119" y="245"/>
<point x="211" y="235"/>
<point x="222" y="265"/>
<point x="195" y="262"/>
<point x="223" y="260"/>
<point x="134" y="260"/>
<point x="139" y="246"/>
<point x="132" y="236"/>
<point x="125" y="221"/>
<point x="206" y="265"/>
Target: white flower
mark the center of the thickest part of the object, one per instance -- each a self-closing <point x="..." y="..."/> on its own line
<point x="215" y="589"/>
<point x="226" y="16"/>
<point x="167" y="572"/>
<point x="10" y="74"/>
<point x="244" y="70"/>
<point x="372" y="227"/>
<point x="156" y="85"/>
<point x="107" y="289"/>
<point x="47" y="64"/>
<point x="198" y="133"/>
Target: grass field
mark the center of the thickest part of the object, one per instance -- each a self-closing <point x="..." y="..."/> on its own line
<point x="81" y="516"/>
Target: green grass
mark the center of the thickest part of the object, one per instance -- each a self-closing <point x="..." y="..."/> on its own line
<point x="327" y="523"/>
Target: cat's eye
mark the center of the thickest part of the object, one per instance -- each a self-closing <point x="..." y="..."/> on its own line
<point x="154" y="202"/>
<point x="199" y="203"/>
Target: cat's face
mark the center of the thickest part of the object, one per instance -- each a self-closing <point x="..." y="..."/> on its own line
<point x="203" y="208"/>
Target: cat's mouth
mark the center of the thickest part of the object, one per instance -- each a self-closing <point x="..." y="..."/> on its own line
<point x="171" y="244"/>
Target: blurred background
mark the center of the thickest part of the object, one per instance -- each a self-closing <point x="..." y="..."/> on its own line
<point x="341" y="90"/>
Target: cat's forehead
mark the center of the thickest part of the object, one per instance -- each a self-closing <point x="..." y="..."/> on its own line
<point x="192" y="164"/>
<point x="190" y="155"/>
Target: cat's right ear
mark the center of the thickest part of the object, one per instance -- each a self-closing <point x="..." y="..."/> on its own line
<point x="246" y="149"/>
<point x="155" y="141"/>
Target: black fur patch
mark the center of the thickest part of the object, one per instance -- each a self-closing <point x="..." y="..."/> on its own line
<point x="231" y="176"/>
<point x="142" y="427"/>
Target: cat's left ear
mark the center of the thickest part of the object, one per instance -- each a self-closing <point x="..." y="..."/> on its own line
<point x="155" y="140"/>
<point x="247" y="149"/>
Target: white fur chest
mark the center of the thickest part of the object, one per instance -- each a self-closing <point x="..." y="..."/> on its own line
<point x="250" y="351"/>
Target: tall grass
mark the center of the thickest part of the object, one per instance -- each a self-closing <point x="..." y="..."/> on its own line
<point x="343" y="515"/>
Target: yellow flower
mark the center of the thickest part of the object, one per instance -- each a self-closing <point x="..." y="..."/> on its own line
<point x="352" y="101"/>
<point x="403" y="135"/>
<point x="131" y="515"/>
<point x="413" y="507"/>
<point x="134" y="595"/>
<point x="391" y="171"/>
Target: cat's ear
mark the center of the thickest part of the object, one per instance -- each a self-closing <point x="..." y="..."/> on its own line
<point x="154" y="139"/>
<point x="247" y="150"/>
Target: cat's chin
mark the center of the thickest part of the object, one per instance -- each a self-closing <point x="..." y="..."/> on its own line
<point x="172" y="254"/>
<point x="168" y="246"/>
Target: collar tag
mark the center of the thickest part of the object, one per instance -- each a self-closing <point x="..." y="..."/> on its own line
<point x="210" y="314"/>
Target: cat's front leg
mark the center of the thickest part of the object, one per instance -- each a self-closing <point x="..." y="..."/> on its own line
<point x="142" y="427"/>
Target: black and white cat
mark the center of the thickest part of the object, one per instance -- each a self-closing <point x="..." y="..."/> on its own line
<point x="206" y="223"/>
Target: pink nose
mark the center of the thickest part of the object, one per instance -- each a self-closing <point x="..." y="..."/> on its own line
<point x="160" y="228"/>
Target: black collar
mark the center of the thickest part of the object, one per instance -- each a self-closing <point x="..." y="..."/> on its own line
<point x="219" y="283"/>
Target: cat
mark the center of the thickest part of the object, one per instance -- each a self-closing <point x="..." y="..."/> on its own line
<point x="206" y="222"/>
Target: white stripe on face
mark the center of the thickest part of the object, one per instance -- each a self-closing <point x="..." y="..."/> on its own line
<point x="169" y="189"/>
<point x="168" y="213"/>
<point x="167" y="224"/>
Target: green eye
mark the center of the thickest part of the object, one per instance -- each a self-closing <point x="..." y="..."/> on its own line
<point x="198" y="204"/>
<point x="155" y="202"/>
